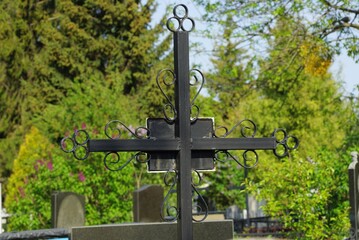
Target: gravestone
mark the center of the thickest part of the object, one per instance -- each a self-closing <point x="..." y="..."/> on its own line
<point x="68" y="210"/>
<point x="353" y="172"/>
<point x="147" y="202"/>
<point x="207" y="230"/>
<point x="255" y="207"/>
<point x="233" y="212"/>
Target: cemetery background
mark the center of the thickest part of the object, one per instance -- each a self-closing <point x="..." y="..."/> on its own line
<point x="45" y="80"/>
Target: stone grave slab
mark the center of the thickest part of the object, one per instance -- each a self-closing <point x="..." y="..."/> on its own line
<point x="68" y="210"/>
<point x="207" y="230"/>
<point x="147" y="202"/>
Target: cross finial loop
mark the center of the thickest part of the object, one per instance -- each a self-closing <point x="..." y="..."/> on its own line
<point x="180" y="20"/>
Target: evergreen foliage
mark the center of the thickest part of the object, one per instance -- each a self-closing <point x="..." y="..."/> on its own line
<point x="55" y="50"/>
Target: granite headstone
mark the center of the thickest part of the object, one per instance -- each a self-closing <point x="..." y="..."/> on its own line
<point x="68" y="210"/>
<point x="147" y="202"/>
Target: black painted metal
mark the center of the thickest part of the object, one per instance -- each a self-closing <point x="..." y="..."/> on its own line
<point x="234" y="144"/>
<point x="353" y="172"/>
<point x="133" y="145"/>
<point x="183" y="133"/>
<point x="160" y="160"/>
<point x="180" y="143"/>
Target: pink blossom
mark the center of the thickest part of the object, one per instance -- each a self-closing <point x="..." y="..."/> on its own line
<point x="81" y="177"/>
<point x="50" y="166"/>
<point x="83" y="126"/>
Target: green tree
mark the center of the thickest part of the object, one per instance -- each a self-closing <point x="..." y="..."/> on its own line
<point x="332" y="21"/>
<point x="55" y="50"/>
<point x="290" y="88"/>
<point x="41" y="168"/>
<point x="309" y="197"/>
<point x="72" y="65"/>
<point x="232" y="77"/>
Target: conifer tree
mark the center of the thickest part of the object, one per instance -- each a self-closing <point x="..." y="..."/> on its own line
<point x="87" y="54"/>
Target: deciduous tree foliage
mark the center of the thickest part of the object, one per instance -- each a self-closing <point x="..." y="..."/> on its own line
<point x="41" y="169"/>
<point x="335" y="22"/>
<point x="283" y="81"/>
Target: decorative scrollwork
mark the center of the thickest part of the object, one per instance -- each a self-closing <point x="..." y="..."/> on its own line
<point x="248" y="161"/>
<point x="353" y="233"/>
<point x="115" y="128"/>
<point x="248" y="129"/>
<point x="76" y="144"/>
<point x="201" y="204"/>
<point x="285" y="143"/>
<point x="169" y="110"/>
<point x="196" y="78"/>
<point x="171" y="212"/>
<point x="112" y="160"/>
<point x="180" y="20"/>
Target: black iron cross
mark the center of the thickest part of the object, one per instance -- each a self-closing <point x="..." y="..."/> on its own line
<point x="181" y="142"/>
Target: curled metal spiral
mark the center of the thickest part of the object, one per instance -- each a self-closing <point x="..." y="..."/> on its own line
<point x="170" y="213"/>
<point x="285" y="143"/>
<point x="247" y="131"/>
<point x="180" y="20"/>
<point x="112" y="160"/>
<point x="78" y="144"/>
<point x="196" y="78"/>
<point x="224" y="156"/>
<point x="169" y="110"/>
<point x="114" y="130"/>
<point x="202" y="209"/>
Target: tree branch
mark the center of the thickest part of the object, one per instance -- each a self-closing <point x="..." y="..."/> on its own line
<point x="352" y="25"/>
<point x="340" y="8"/>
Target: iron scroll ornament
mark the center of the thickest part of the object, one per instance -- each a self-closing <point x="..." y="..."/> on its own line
<point x="170" y="213"/>
<point x="166" y="78"/>
<point x="248" y="129"/>
<point x="285" y="142"/>
<point x="78" y="141"/>
<point x="77" y="144"/>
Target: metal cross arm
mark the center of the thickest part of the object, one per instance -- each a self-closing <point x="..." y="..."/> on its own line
<point x="133" y="145"/>
<point x="159" y="142"/>
<point x="151" y="145"/>
<point x="221" y="144"/>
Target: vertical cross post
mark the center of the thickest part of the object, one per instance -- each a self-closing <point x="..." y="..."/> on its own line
<point x="183" y="133"/>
